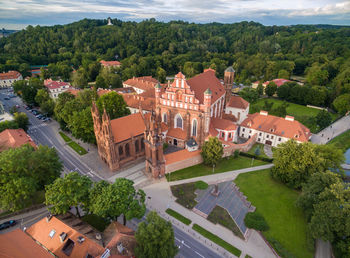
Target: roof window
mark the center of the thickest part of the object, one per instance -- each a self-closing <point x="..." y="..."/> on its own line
<point x="52" y="233"/>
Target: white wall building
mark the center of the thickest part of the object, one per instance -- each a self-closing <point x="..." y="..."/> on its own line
<point x="7" y="79"/>
<point x="56" y="87"/>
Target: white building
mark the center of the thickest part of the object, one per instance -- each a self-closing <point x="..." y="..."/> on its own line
<point x="7" y="79"/>
<point x="56" y="87"/>
<point x="273" y="130"/>
<point x="237" y="107"/>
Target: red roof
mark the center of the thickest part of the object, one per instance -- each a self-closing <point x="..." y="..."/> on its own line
<point x="135" y="101"/>
<point x="145" y="83"/>
<point x="206" y="80"/>
<point x="285" y="127"/>
<point x="125" y="127"/>
<point x="73" y="91"/>
<point x="14" y="138"/>
<point x="238" y="102"/>
<point x="177" y="133"/>
<point x="223" y="124"/>
<point x="50" y="84"/>
<point x="18" y="244"/>
<point x="110" y="63"/>
<point x="278" y="82"/>
<point x="10" y="75"/>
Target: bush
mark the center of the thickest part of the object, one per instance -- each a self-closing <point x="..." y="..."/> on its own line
<point x="256" y="221"/>
<point x="279" y="248"/>
<point x="236" y="154"/>
<point x="201" y="185"/>
<point x="245" y="154"/>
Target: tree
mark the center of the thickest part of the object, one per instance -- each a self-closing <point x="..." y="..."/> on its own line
<point x="260" y="89"/>
<point x="270" y="89"/>
<point x="155" y="238"/>
<point x="256" y="221"/>
<point x="323" y="119"/>
<point x="22" y="120"/>
<point x="342" y="103"/>
<point x="80" y="78"/>
<point x="41" y="96"/>
<point x="61" y="102"/>
<point x="131" y="203"/>
<point x="70" y="191"/>
<point x="82" y="125"/>
<point x="8" y="125"/>
<point x="331" y="158"/>
<point x="114" y="105"/>
<point x="161" y="74"/>
<point x="283" y="74"/>
<point x="295" y="163"/>
<point x="212" y="151"/>
<point x="249" y="94"/>
<point x="48" y="107"/>
<point x="100" y="82"/>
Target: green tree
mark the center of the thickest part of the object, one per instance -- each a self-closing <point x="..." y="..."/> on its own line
<point x="22" y="120"/>
<point x="114" y="105"/>
<point x="41" y="96"/>
<point x="61" y="102"/>
<point x="161" y="74"/>
<point x="249" y="94"/>
<point x="48" y="107"/>
<point x="260" y="89"/>
<point x="100" y="82"/>
<point x="8" y="125"/>
<point x="155" y="238"/>
<point x="270" y="89"/>
<point x="70" y="191"/>
<point x="342" y="103"/>
<point x="323" y="119"/>
<point x="82" y="125"/>
<point x="212" y="151"/>
<point x="80" y="78"/>
<point x="283" y="74"/>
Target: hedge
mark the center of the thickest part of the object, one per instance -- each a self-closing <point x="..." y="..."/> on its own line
<point x="245" y="154"/>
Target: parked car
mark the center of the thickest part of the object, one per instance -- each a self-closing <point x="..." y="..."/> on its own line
<point x="27" y="108"/>
<point x="6" y="98"/>
<point x="7" y="224"/>
<point x="39" y="116"/>
<point x="47" y="119"/>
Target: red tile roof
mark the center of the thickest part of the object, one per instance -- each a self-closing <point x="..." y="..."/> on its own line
<point x="145" y="83"/>
<point x="10" y="75"/>
<point x="18" y="244"/>
<point x="110" y="63"/>
<point x="13" y="138"/>
<point x="135" y="101"/>
<point x="280" y="126"/>
<point x="206" y="80"/>
<point x="278" y="82"/>
<point x="223" y="124"/>
<point x="177" y="133"/>
<point x="180" y="156"/>
<point x="50" y="84"/>
<point x="73" y="91"/>
<point x="238" y="102"/>
<point x="125" y="127"/>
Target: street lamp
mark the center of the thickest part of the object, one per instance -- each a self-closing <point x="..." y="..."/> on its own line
<point x="213" y="168"/>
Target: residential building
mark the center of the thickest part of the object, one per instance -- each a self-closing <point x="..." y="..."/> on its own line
<point x="141" y="84"/>
<point x="56" y="87"/>
<point x="14" y="138"/>
<point x="279" y="82"/>
<point x="110" y="64"/>
<point x="7" y="79"/>
<point x="273" y="130"/>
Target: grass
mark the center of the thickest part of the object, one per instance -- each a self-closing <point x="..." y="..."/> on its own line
<point x="185" y="194"/>
<point x="341" y="141"/>
<point x="258" y="145"/>
<point x="220" y="216"/>
<point x="226" y="164"/>
<point x="303" y="114"/>
<point x="178" y="216"/>
<point x="217" y="240"/>
<point x="97" y="222"/>
<point x="276" y="203"/>
<point x="75" y="146"/>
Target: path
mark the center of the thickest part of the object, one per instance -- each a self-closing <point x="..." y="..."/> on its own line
<point x="268" y="151"/>
<point x="323" y="249"/>
<point x="327" y="134"/>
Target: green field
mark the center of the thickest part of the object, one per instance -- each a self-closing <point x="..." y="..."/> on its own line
<point x="342" y="141"/>
<point x="178" y="216"/>
<point x="225" y="165"/>
<point x="303" y="114"/>
<point x="75" y="146"/>
<point x="258" y="145"/>
<point x="276" y="203"/>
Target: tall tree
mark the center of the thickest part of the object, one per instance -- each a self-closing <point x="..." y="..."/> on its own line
<point x="270" y="89"/>
<point x="114" y="105"/>
<point x="22" y="120"/>
<point x="212" y="151"/>
<point x="155" y="238"/>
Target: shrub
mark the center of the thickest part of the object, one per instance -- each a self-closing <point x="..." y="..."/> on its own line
<point x="256" y="221"/>
<point x="245" y="154"/>
<point x="201" y="185"/>
<point x="236" y="154"/>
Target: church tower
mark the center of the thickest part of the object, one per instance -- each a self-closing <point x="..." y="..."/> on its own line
<point x="229" y="76"/>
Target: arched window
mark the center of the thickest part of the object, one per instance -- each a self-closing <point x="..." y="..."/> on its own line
<point x="178" y="121"/>
<point x="127" y="150"/>
<point x="194" y="127"/>
<point x="165" y="118"/>
<point x="120" y="150"/>
<point x="136" y="146"/>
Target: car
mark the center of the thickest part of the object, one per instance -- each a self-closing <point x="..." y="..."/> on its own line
<point x="35" y="112"/>
<point x="17" y="106"/>
<point x="39" y="116"/>
<point x="47" y="119"/>
<point x="27" y="108"/>
<point x="7" y="224"/>
<point x="6" y="98"/>
<point x="43" y="117"/>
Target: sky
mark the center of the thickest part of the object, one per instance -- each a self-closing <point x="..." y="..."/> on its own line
<point x="17" y="14"/>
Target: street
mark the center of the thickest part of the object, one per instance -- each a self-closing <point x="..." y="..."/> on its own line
<point x="44" y="133"/>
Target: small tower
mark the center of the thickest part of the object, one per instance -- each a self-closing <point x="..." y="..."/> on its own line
<point x="229" y="76"/>
<point x="109" y="22"/>
<point x="207" y="106"/>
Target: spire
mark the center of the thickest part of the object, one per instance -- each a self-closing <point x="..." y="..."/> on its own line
<point x="208" y="92"/>
<point x="230" y="69"/>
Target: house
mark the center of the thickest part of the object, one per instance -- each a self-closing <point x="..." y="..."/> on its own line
<point x="141" y="84"/>
<point x="238" y="107"/>
<point x="68" y="236"/>
<point x="56" y="87"/>
<point x="14" y="138"/>
<point x="110" y="64"/>
<point x="7" y="79"/>
<point x="278" y="82"/>
<point x="273" y="130"/>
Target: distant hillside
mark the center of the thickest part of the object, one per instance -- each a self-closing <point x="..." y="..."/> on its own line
<point x="5" y="33"/>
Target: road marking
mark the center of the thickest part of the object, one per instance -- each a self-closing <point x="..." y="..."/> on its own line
<point x="199" y="254"/>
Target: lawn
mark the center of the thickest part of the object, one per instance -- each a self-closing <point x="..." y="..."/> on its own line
<point x="75" y="146"/>
<point x="217" y="240"/>
<point x="220" y="216"/>
<point x="342" y="141"/>
<point x="303" y="114"/>
<point x="178" y="216"/>
<point x="226" y="164"/>
<point x="276" y="203"/>
<point x="97" y="222"/>
<point x="184" y="194"/>
<point x="258" y="145"/>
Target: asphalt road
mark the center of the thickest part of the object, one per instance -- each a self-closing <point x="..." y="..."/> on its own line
<point x="42" y="133"/>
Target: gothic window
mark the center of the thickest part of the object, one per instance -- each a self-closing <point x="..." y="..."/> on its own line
<point x="165" y="118"/>
<point x="194" y="127"/>
<point x="120" y="150"/>
<point x="127" y="149"/>
<point x="223" y="135"/>
<point x="178" y="121"/>
<point x="137" y="146"/>
<point x="142" y="144"/>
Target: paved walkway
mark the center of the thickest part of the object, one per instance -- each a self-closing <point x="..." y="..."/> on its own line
<point x="323" y="249"/>
<point x="327" y="134"/>
<point x="162" y="198"/>
<point x="268" y="151"/>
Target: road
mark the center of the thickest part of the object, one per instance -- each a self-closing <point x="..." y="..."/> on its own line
<point x="44" y="133"/>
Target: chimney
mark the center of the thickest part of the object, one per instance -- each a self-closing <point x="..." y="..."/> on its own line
<point x="98" y="236"/>
<point x="81" y="239"/>
<point x="63" y="236"/>
<point x="263" y="113"/>
<point x="48" y="218"/>
<point x="289" y="118"/>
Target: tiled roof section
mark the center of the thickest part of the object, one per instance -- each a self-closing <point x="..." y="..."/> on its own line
<point x="134" y="101"/>
<point x="41" y="230"/>
<point x="229" y="117"/>
<point x="177" y="133"/>
<point x="180" y="156"/>
<point x="126" y="90"/>
<point x="145" y="83"/>
<point x="278" y="82"/>
<point x="206" y="80"/>
<point x="238" y="102"/>
<point x="13" y="138"/>
<point x="18" y="244"/>
<point x="50" y="84"/>
<point x="279" y="125"/>
<point x="212" y="131"/>
<point x="223" y="124"/>
<point x="10" y="75"/>
<point x="110" y="63"/>
<point x="125" y="127"/>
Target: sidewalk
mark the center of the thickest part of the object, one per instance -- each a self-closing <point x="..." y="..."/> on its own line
<point x="161" y="199"/>
<point x="27" y="214"/>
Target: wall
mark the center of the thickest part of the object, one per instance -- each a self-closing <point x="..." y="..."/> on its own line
<point x="228" y="151"/>
<point x="197" y="159"/>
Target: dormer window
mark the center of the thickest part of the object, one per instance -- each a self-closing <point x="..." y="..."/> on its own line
<point x="296" y="136"/>
<point x="271" y="130"/>
<point x="249" y="124"/>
